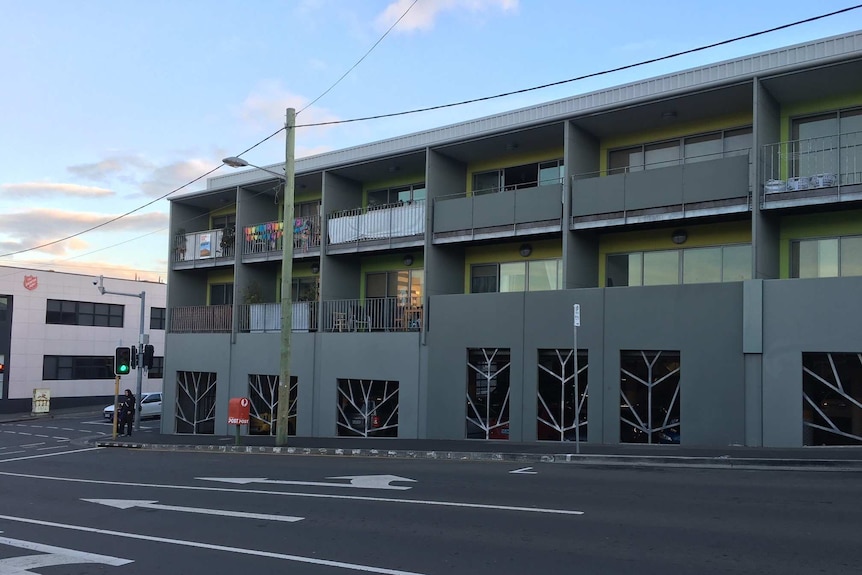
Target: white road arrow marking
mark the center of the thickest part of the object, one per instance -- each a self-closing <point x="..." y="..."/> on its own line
<point x="525" y="471"/>
<point x="356" y="481"/>
<point x="129" y="503"/>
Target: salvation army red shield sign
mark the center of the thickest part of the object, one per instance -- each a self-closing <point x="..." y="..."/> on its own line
<point x="31" y="282"/>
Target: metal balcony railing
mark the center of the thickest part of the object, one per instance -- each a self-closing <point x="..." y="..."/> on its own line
<point x="267" y="236"/>
<point x="266" y="317"/>
<point x="825" y="162"/>
<point x="403" y="219"/>
<point x="206" y="245"/>
<point x="498" y="189"/>
<point x="201" y="319"/>
<point x="372" y="314"/>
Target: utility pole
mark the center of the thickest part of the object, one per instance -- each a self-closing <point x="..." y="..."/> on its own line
<point x="283" y="414"/>
<point x="142" y="340"/>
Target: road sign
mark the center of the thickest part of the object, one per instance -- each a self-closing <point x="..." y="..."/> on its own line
<point x="238" y="411"/>
<point x="577" y="315"/>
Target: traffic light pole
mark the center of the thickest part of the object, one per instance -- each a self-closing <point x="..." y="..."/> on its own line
<point x="139" y="349"/>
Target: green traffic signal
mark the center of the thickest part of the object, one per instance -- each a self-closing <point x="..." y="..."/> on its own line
<point x="122" y="360"/>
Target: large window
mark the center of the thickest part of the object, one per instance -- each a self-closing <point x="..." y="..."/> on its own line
<point x="684" y="266"/>
<point x="157" y="318"/>
<point x="697" y="148"/>
<point x="62" y="312"/>
<point x="487" y="407"/>
<point x="221" y="294"/>
<point x="395" y="195"/>
<point x="826" y="257"/>
<point x="828" y="144"/>
<point x="405" y="285"/>
<point x="532" y="275"/>
<point x="71" y="367"/>
<point x="304" y="288"/>
<point x="517" y="177"/>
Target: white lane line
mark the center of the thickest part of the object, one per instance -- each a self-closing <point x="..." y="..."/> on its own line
<point x="51" y="427"/>
<point x="67" y="429"/>
<point x="2" y="448"/>
<point x="11" y="453"/>
<point x="294" y="494"/>
<point x="53" y="447"/>
<point x="130" y="503"/>
<point x="209" y="546"/>
<point x="61" y="438"/>
<point x="49" y="454"/>
<point x="32" y="444"/>
<point x="24" y="433"/>
<point x="40" y="435"/>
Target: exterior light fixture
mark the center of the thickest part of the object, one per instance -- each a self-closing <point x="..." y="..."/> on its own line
<point x="315" y="268"/>
<point x="679" y="236"/>
<point x="408" y="260"/>
<point x="525" y="250"/>
<point x="235" y="162"/>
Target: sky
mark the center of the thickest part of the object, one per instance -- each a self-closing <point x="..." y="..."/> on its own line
<point x="108" y="105"/>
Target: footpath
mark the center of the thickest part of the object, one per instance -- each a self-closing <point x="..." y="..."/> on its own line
<point x="824" y="458"/>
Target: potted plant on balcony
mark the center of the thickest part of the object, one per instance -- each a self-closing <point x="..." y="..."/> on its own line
<point x="252" y="297"/>
<point x="180" y="243"/>
<point x="228" y="239"/>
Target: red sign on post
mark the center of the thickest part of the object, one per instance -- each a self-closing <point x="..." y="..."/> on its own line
<point x="237" y="411"/>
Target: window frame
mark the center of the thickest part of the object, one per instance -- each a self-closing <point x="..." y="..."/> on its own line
<point x="98" y="314"/>
<point x="614" y="166"/>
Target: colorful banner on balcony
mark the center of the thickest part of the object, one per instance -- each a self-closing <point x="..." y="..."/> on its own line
<point x="205" y="246"/>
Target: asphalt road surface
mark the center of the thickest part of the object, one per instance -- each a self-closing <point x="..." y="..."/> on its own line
<point x="66" y="507"/>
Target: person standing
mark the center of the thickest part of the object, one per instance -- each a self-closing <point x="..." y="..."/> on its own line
<point x="127" y="413"/>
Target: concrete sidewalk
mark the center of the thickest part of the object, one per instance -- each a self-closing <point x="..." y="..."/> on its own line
<point x="844" y="458"/>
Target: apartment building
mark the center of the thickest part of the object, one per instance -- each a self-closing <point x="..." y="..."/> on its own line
<point x="58" y="333"/>
<point x="707" y="224"/>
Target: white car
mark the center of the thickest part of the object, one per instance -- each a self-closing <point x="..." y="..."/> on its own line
<point x="149" y="406"/>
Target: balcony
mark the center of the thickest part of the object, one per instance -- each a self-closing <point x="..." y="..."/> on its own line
<point x="387" y="314"/>
<point x="201" y="319"/>
<point x="209" y="248"/>
<point x="363" y="229"/>
<point x="814" y="171"/>
<point x="526" y="209"/>
<point x="695" y="187"/>
<point x="263" y="242"/>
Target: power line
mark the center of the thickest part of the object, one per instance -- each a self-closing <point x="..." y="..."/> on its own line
<point x="450" y="105"/>
<point x="379" y="40"/>
<point x="585" y="76"/>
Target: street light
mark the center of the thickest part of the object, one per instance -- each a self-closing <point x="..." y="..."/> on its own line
<point x="283" y="413"/>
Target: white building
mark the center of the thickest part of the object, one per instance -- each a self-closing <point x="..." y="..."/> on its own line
<point x="57" y="332"/>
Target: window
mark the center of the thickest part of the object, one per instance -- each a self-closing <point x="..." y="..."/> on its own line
<point x="533" y="275"/>
<point x="4" y="308"/>
<point x="395" y="195"/>
<point x="157" y="371"/>
<point x="70" y="367"/>
<point x="157" y="318"/>
<point x="685" y="266"/>
<point x="221" y="294"/>
<point x="689" y="149"/>
<point x="406" y="285"/>
<point x="517" y="177"/>
<point x="826" y="257"/>
<point x="828" y="143"/>
<point x="306" y="209"/>
<point x="304" y="289"/>
<point x="62" y="312"/>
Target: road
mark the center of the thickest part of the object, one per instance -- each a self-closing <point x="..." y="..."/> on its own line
<point x="111" y="510"/>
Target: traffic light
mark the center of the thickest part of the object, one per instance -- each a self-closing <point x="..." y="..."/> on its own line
<point x="122" y="360"/>
<point x="148" y="356"/>
<point x="134" y="358"/>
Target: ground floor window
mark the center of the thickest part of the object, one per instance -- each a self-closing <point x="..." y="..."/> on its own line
<point x="488" y="393"/>
<point x="832" y="398"/>
<point x="73" y="367"/>
<point x="196" y="400"/>
<point x="263" y="411"/>
<point x="649" y="397"/>
<point x="368" y="408"/>
<point x="562" y="401"/>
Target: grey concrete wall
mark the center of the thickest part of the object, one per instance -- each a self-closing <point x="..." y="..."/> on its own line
<point x="765" y="226"/>
<point x="599" y="195"/>
<point x="539" y="204"/>
<point x="719" y="179"/>
<point x="444" y="264"/>
<point x="672" y="318"/>
<point x="382" y="356"/>
<point x="340" y="277"/>
<point x="803" y="315"/>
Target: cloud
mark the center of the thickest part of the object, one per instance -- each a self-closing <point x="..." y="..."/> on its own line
<point x="264" y="109"/>
<point x="116" y="166"/>
<point x="424" y="14"/>
<point x="30" y="228"/>
<point x="164" y="179"/>
<point x="48" y="189"/>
